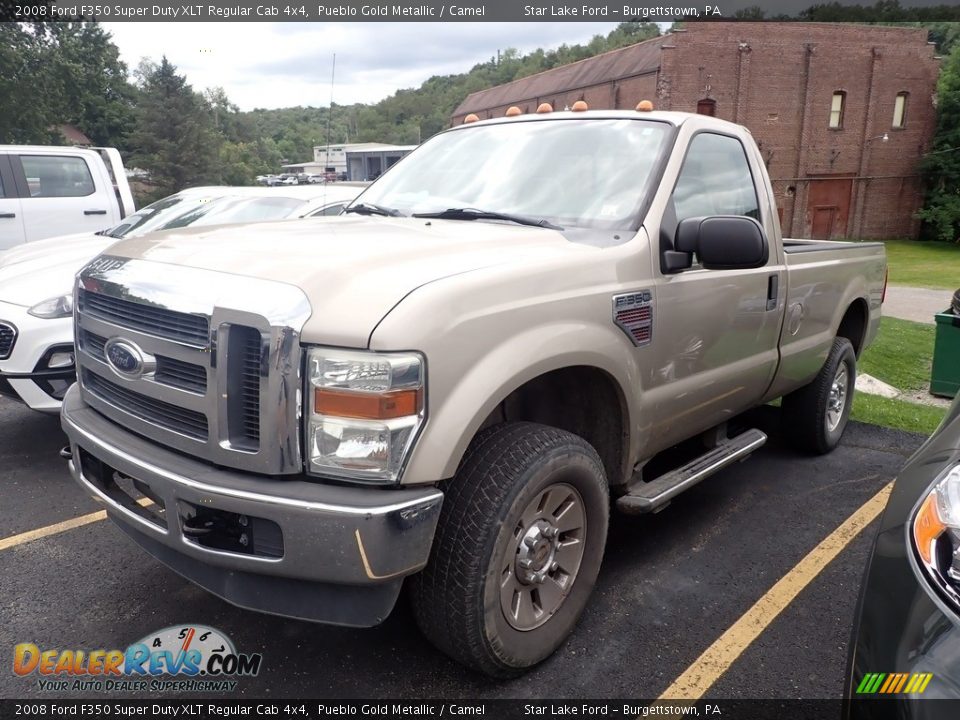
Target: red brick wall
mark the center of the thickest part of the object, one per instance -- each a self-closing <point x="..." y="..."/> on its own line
<point x="779" y="80"/>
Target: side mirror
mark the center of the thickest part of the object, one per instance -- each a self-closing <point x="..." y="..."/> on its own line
<point x="721" y="242"/>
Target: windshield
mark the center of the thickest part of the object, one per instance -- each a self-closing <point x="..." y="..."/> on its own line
<point x="188" y="209"/>
<point x="573" y="173"/>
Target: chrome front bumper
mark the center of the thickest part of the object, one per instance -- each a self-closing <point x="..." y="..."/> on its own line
<point x="336" y="554"/>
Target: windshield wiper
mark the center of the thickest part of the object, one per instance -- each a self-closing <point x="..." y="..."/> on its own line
<point x="371" y="209"/>
<point x="474" y="214"/>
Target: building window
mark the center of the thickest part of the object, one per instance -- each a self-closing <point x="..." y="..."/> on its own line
<point x="900" y="110"/>
<point x="707" y="107"/>
<point x="836" y="109"/>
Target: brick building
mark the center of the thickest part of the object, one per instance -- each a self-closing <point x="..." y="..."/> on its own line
<point x="842" y="113"/>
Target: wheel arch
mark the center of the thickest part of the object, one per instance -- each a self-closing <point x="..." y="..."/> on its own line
<point x="591" y="365"/>
<point x="853" y="324"/>
<point x="581" y="399"/>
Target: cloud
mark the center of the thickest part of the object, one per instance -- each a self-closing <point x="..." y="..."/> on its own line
<point x="286" y="64"/>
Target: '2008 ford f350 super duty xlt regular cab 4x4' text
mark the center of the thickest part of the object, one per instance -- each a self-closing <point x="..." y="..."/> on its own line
<point x="448" y="386"/>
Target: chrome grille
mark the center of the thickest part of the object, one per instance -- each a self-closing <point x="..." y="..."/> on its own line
<point x="178" y="326"/>
<point x="92" y="344"/>
<point x="8" y="336"/>
<point x="166" y="415"/>
<point x="170" y="371"/>
<point x="211" y="362"/>
<point x="244" y="390"/>
<point x="183" y="375"/>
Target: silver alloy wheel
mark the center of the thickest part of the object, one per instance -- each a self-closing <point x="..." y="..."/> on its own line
<point x="543" y="558"/>
<point x="837" y="399"/>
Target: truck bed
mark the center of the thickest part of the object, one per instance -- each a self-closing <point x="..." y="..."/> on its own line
<point x="794" y="245"/>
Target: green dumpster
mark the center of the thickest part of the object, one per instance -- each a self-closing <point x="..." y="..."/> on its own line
<point x="945" y="376"/>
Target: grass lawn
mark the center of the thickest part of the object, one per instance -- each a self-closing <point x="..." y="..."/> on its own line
<point x="924" y="264"/>
<point x="896" y="413"/>
<point x="901" y="355"/>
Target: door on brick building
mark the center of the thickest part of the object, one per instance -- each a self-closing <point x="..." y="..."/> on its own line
<point x="828" y="207"/>
<point x="823" y="223"/>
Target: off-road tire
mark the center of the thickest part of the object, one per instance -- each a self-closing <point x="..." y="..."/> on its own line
<point x="805" y="411"/>
<point x="456" y="599"/>
<point x="955" y="303"/>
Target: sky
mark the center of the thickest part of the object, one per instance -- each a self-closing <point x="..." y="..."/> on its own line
<point x="273" y="65"/>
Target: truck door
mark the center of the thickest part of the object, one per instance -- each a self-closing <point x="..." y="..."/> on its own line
<point x="715" y="334"/>
<point x="62" y="196"/>
<point x="11" y="216"/>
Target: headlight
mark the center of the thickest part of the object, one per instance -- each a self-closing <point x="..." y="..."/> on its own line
<point x="56" y="307"/>
<point x="936" y="533"/>
<point x="365" y="411"/>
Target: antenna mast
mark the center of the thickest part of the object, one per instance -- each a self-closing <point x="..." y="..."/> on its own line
<point x="333" y="72"/>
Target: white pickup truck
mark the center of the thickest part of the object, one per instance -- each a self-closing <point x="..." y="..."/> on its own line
<point x="448" y="386"/>
<point x="49" y="190"/>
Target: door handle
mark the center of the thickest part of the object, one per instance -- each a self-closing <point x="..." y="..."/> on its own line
<point x="94" y="212"/>
<point x="773" y="289"/>
<point x="8" y="215"/>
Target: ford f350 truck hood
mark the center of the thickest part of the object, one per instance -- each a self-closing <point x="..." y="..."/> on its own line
<point x="354" y="269"/>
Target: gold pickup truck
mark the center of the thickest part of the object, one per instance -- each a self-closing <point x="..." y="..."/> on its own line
<point x="450" y="385"/>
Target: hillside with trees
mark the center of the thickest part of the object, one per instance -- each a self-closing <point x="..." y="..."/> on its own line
<point x="70" y="73"/>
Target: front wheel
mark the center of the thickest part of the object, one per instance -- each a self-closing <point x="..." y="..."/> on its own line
<point x="816" y="415"/>
<point x="517" y="549"/>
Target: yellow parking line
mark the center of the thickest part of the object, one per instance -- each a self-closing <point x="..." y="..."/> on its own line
<point x="60" y="527"/>
<point x="694" y="682"/>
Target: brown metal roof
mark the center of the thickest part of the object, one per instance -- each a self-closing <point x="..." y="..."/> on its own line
<point x="636" y="59"/>
<point x="73" y="135"/>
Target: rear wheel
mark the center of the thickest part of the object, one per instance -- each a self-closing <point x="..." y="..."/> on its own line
<point x="816" y="415"/>
<point x="517" y="550"/>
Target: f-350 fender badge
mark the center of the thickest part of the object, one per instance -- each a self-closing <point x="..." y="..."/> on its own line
<point x="633" y="313"/>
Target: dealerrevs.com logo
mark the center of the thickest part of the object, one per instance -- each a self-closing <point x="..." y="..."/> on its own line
<point x="180" y="658"/>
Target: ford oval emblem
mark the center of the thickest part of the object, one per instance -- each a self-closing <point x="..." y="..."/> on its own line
<point x="127" y="359"/>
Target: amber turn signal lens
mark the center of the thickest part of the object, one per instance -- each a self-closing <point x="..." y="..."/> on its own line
<point x="927" y="527"/>
<point x="366" y="406"/>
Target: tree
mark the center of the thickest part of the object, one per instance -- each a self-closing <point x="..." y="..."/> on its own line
<point x="174" y="135"/>
<point x="96" y="95"/>
<point x="27" y="113"/>
<point x="57" y="73"/>
<point x="941" y="167"/>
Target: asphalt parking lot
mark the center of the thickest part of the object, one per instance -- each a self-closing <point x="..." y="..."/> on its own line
<point x="671" y="585"/>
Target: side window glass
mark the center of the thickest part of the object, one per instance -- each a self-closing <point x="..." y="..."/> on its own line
<point x="2" y="193"/>
<point x="56" y="176"/>
<point x="333" y="209"/>
<point x="715" y="180"/>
